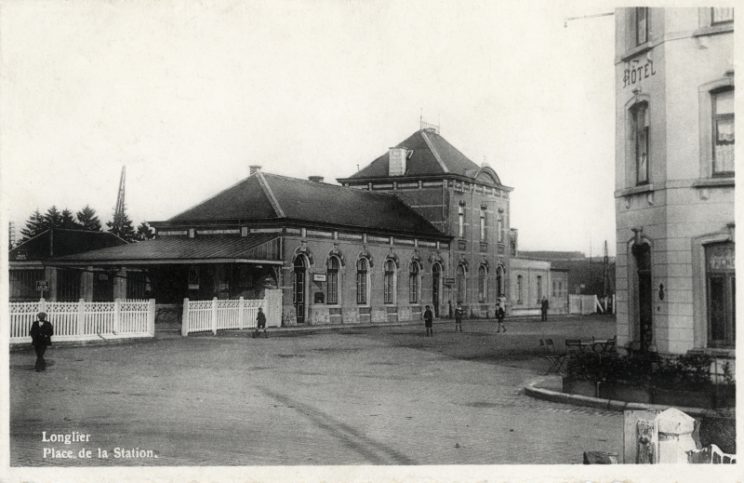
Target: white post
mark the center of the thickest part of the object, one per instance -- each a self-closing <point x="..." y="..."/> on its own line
<point x="151" y="317"/>
<point x="42" y="305"/>
<point x="240" y="313"/>
<point x="117" y="315"/>
<point x="81" y="317"/>
<point x="214" y="316"/>
<point x="185" y="318"/>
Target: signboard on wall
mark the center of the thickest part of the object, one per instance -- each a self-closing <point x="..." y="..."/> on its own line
<point x="448" y="281"/>
<point x="42" y="285"/>
<point x="319" y="277"/>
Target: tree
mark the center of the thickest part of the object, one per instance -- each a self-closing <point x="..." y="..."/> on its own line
<point x="34" y="225"/>
<point x="53" y="217"/>
<point x="121" y="226"/>
<point x="68" y="221"/>
<point x="88" y="220"/>
<point x="144" y="232"/>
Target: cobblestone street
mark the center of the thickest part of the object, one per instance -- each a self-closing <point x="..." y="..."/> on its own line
<point x="380" y="395"/>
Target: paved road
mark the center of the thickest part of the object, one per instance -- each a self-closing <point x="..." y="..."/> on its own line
<point x="385" y="396"/>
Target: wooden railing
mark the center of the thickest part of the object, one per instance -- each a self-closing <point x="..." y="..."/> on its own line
<point x="213" y="315"/>
<point x="83" y="320"/>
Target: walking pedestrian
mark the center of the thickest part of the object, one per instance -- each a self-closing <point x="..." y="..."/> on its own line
<point x="544" y="309"/>
<point x="260" y="323"/>
<point x="500" y="314"/>
<point x="458" y="316"/>
<point x="428" y="322"/>
<point x="41" y="337"/>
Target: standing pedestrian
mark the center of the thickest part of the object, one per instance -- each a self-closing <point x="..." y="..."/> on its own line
<point x="41" y="337"/>
<point x="500" y="314"/>
<point x="260" y="323"/>
<point x="428" y="322"/>
<point x="544" y="309"/>
<point x="458" y="316"/>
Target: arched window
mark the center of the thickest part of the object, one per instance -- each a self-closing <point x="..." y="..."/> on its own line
<point x="389" y="282"/>
<point x="461" y="221"/>
<point x="519" y="289"/>
<point x="413" y="282"/>
<point x="362" y="280"/>
<point x="482" y="283"/>
<point x="499" y="281"/>
<point x="460" y="284"/>
<point x="640" y="134"/>
<point x="332" y="280"/>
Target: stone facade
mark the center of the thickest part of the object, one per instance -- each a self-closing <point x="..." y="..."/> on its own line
<point x="674" y="179"/>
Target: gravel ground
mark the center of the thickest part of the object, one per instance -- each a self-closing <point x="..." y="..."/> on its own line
<point x="382" y="396"/>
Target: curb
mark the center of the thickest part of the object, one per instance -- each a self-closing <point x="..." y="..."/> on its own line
<point x="22" y="347"/>
<point x="536" y="392"/>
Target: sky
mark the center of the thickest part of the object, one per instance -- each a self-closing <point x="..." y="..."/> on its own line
<point x="188" y="94"/>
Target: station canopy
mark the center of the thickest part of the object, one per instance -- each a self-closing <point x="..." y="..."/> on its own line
<point x="261" y="248"/>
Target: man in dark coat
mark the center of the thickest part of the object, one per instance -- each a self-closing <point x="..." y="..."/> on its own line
<point x="500" y="314"/>
<point x="428" y="321"/>
<point x="260" y="323"/>
<point x="544" y="309"/>
<point x="459" y="312"/>
<point x="41" y="337"/>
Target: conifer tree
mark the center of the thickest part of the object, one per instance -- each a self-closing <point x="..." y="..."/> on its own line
<point x="121" y="226"/>
<point x="88" y="219"/>
<point x="34" y="225"/>
<point x="144" y="232"/>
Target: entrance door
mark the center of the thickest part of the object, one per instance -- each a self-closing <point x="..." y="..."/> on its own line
<point x="642" y="255"/>
<point x="299" y="288"/>
<point x="721" y="278"/>
<point x="436" y="271"/>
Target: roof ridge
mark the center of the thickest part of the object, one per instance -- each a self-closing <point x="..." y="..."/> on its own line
<point x="264" y="184"/>
<point x="461" y="153"/>
<point x="334" y="186"/>
<point x="434" y="151"/>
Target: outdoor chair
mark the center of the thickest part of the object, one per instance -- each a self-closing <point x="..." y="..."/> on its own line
<point x="555" y="358"/>
<point x="604" y="346"/>
<point x="710" y="455"/>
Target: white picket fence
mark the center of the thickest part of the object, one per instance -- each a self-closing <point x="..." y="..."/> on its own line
<point x="213" y="315"/>
<point x="77" y="321"/>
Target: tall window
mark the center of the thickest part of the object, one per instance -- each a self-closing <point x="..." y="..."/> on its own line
<point x="500" y="228"/>
<point x="362" y="280"/>
<point x="332" y="280"/>
<point x="641" y="25"/>
<point x="389" y="282"/>
<point x="461" y="221"/>
<point x="640" y="127"/>
<point x="482" y="283"/>
<point x="519" y="289"/>
<point x="723" y="132"/>
<point x="721" y="15"/>
<point x="499" y="281"/>
<point x="413" y="282"/>
<point x="721" y="288"/>
<point x="460" y="283"/>
<point x="483" y="224"/>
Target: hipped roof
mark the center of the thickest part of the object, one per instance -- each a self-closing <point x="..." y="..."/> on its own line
<point x="269" y="197"/>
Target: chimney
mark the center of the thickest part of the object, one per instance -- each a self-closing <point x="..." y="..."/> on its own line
<point x="254" y="168"/>
<point x="315" y="179"/>
<point x="397" y="161"/>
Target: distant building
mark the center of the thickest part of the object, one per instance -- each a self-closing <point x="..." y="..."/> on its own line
<point x="674" y="184"/>
<point x="464" y="201"/>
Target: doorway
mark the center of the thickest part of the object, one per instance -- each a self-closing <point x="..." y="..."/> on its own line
<point x="300" y="271"/>
<point x="644" y="295"/>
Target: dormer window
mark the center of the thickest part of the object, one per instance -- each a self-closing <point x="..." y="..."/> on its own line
<point x="397" y="161"/>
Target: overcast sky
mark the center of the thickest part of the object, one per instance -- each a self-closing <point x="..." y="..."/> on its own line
<point x="188" y="94"/>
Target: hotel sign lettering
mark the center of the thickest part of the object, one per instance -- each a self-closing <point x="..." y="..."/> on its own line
<point x="635" y="71"/>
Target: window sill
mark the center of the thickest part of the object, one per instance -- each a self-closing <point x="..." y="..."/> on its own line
<point x="714" y="182"/>
<point x="635" y="190"/>
<point x="714" y="29"/>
